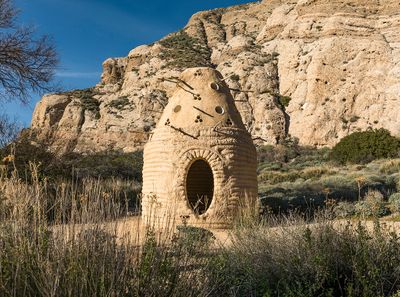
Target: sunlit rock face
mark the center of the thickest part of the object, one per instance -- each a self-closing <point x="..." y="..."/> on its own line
<point x="317" y="70"/>
<point x="200" y="163"/>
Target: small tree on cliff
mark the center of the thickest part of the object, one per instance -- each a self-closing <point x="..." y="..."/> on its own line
<point x="27" y="63"/>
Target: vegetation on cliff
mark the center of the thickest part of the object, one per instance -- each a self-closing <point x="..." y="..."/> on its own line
<point x="184" y="51"/>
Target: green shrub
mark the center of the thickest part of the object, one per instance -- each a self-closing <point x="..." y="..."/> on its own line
<point x="305" y="261"/>
<point x="105" y="165"/>
<point x="363" y="147"/>
<point x="373" y="205"/>
<point x="290" y="154"/>
<point x="394" y="202"/>
<point x="274" y="177"/>
<point x="344" y="209"/>
<point x="391" y="166"/>
<point x="284" y="101"/>
<point x="274" y="55"/>
<point x="25" y="152"/>
<point x="119" y="103"/>
<point x="235" y="77"/>
<point x="53" y="166"/>
<point x="87" y="100"/>
<point x="354" y="119"/>
<point x="184" y="51"/>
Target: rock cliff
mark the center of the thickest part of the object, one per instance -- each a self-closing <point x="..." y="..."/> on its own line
<point x="313" y="69"/>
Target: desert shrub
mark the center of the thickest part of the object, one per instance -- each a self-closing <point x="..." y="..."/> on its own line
<point x="266" y="154"/>
<point x="284" y="101"/>
<point x="184" y="51"/>
<point x="98" y="254"/>
<point x="394" y="202"/>
<point x="391" y="166"/>
<point x="87" y="100"/>
<point x="119" y="103"/>
<point x="344" y="209"/>
<point x="354" y="119"/>
<point x="309" y="156"/>
<point x="280" y="153"/>
<point x="373" y="205"/>
<point x="193" y="238"/>
<point x="235" y="77"/>
<point x="363" y="147"/>
<point x="295" y="259"/>
<point x="274" y="177"/>
<point x="278" y="177"/>
<point x="300" y="185"/>
<point x="53" y="166"/>
<point x="105" y="165"/>
<point x="291" y="155"/>
<point x="315" y="172"/>
<point x="24" y="151"/>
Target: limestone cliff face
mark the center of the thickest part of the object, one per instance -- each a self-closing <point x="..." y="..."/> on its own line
<point x="315" y="69"/>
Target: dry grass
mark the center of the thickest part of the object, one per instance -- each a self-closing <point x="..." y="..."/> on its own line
<point x="70" y="239"/>
<point x="391" y="166"/>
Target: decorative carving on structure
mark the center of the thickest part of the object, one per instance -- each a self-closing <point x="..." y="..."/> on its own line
<point x="200" y="163"/>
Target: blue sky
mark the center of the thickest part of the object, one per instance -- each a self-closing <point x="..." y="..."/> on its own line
<point x="86" y="32"/>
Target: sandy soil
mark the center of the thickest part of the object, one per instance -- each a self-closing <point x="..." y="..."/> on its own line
<point x="132" y="229"/>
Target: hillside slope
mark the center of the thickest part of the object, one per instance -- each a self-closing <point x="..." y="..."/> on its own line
<point x="315" y="69"/>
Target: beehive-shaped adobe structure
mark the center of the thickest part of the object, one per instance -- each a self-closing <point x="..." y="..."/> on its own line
<point x="200" y="163"/>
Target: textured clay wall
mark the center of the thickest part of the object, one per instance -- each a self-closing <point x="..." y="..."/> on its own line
<point x="200" y="122"/>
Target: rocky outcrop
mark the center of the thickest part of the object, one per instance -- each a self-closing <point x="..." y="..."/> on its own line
<point x="317" y="70"/>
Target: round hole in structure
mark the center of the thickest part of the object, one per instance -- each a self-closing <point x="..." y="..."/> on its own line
<point x="200" y="186"/>
<point x="219" y="110"/>
<point x="215" y="86"/>
<point x="177" y="108"/>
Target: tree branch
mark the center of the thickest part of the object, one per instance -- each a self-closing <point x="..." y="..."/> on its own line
<point x="26" y="64"/>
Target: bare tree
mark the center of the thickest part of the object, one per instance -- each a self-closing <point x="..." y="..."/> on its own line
<point x="9" y="130"/>
<point x="7" y="14"/>
<point x="27" y="64"/>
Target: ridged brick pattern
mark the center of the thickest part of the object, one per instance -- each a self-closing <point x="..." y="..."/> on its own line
<point x="180" y="140"/>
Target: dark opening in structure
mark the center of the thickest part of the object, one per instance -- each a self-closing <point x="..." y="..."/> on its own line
<point x="200" y="186"/>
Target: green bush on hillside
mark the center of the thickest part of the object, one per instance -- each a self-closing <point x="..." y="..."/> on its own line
<point x="87" y="100"/>
<point x="344" y="209"/>
<point x="363" y="147"/>
<point x="394" y="202"/>
<point x="309" y="261"/>
<point x="372" y="206"/>
<point x="183" y="51"/>
<point x="284" y="101"/>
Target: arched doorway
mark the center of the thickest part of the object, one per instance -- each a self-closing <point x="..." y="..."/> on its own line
<point x="200" y="186"/>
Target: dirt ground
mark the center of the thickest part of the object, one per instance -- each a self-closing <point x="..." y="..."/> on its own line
<point x="132" y="229"/>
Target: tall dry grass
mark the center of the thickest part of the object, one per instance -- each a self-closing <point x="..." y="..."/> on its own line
<point x="286" y="256"/>
<point x="70" y="239"/>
